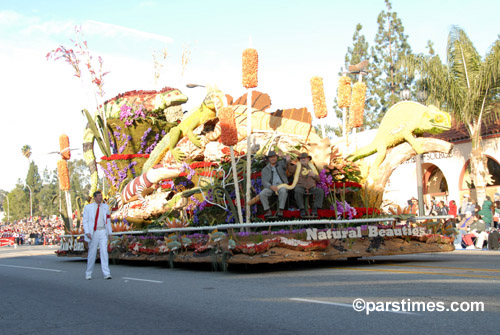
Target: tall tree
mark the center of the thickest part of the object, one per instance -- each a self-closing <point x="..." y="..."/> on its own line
<point x="468" y="86"/>
<point x="19" y="202"/>
<point x="389" y="47"/>
<point x="80" y="185"/>
<point x="50" y="190"/>
<point x="34" y="181"/>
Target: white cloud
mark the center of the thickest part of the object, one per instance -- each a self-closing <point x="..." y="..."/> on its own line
<point x="32" y="25"/>
<point x="112" y="30"/>
<point x="11" y="18"/>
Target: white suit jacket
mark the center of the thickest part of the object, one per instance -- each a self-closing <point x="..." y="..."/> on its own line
<point x="89" y="213"/>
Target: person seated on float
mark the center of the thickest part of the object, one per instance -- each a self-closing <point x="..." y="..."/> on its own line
<point x="273" y="175"/>
<point x="308" y="177"/>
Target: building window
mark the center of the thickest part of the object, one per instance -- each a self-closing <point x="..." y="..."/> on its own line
<point x="436" y="183"/>
<point x="493" y="169"/>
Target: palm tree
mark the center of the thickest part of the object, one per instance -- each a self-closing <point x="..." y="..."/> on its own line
<point x="468" y="87"/>
<point x="26" y="151"/>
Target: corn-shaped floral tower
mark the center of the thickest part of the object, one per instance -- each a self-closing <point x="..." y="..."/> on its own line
<point x="229" y="133"/>
<point x="64" y="147"/>
<point x="356" y="111"/>
<point x="318" y="98"/>
<point x="344" y="92"/>
<point x="229" y="137"/>
<point x="63" y="174"/>
<point x="249" y="79"/>
<point x="250" y="65"/>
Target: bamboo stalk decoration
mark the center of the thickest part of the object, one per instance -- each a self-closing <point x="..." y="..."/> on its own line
<point x="250" y="65"/>
<point x="356" y="111"/>
<point x="64" y="147"/>
<point x="318" y="98"/>
<point x="229" y="137"/>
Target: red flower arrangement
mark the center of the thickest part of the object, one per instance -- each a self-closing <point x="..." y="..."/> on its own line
<point x="363" y="211"/>
<point x="346" y="184"/>
<point x="200" y="165"/>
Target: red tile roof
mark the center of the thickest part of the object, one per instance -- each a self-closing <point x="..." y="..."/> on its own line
<point x="459" y="133"/>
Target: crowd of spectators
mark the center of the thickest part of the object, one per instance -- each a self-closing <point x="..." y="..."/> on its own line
<point x="34" y="231"/>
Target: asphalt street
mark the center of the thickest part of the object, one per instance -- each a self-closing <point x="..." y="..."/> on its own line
<point x="45" y="294"/>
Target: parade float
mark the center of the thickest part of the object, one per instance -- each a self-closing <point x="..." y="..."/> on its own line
<point x="184" y="187"/>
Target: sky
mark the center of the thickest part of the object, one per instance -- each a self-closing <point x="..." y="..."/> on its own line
<point x="296" y="40"/>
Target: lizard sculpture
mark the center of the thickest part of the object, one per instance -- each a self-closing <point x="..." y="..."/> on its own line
<point x="401" y="123"/>
<point x="207" y="111"/>
<point x="154" y="102"/>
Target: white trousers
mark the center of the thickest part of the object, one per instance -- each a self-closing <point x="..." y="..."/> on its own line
<point x="99" y="239"/>
<point x="481" y="237"/>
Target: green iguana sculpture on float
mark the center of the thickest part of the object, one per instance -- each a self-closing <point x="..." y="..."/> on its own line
<point x="205" y="112"/>
<point x="402" y="122"/>
<point x="158" y="105"/>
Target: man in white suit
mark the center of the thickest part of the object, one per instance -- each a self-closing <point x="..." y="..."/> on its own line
<point x="97" y="227"/>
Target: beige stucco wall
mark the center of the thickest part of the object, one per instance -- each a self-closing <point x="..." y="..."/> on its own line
<point x="403" y="182"/>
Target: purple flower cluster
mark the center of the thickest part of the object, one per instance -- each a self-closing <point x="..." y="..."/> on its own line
<point x="325" y="181"/>
<point x="190" y="172"/>
<point x="278" y="232"/>
<point x="128" y="115"/>
<point x="120" y="137"/>
<point x="112" y="143"/>
<point x="115" y="175"/>
<point x="344" y="209"/>
<point x="144" y="140"/>
<point x="230" y="217"/>
<point x="125" y="138"/>
<point x="257" y="185"/>
<point x="152" y="146"/>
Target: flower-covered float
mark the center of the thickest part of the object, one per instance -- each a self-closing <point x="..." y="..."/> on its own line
<point x="184" y="187"/>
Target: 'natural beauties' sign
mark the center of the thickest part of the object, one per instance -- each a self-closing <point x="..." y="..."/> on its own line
<point x="371" y="231"/>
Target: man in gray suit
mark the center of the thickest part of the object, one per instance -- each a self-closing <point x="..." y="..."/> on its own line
<point x="273" y="175"/>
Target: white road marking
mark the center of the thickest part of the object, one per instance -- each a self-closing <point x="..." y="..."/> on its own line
<point x="29" y="267"/>
<point x="147" y="280"/>
<point x="341" y="305"/>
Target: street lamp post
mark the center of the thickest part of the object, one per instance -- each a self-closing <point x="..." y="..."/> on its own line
<point x="404" y="94"/>
<point x="8" y="206"/>
<point x="31" y="201"/>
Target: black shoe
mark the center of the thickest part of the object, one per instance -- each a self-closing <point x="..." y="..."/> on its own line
<point x="280" y="213"/>
<point x="268" y="213"/>
<point x="314" y="212"/>
<point x="303" y="213"/>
